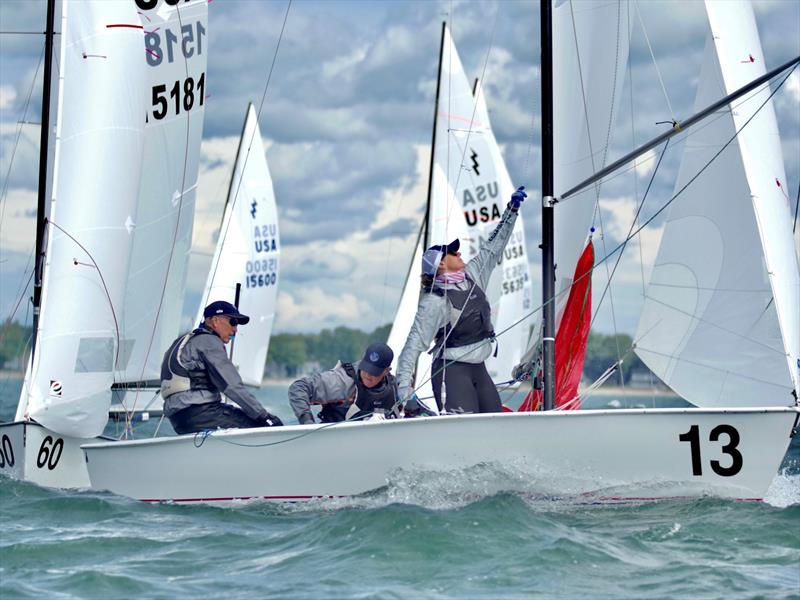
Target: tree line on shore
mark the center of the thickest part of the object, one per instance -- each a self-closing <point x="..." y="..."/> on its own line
<point x="293" y="354"/>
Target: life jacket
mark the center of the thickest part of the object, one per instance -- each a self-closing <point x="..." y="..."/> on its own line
<point x="470" y="311"/>
<point x="177" y="378"/>
<point x="380" y="398"/>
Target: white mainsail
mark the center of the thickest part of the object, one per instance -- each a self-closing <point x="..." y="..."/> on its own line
<point x="248" y="253"/>
<point x="721" y="318"/>
<point x="175" y="51"/>
<point x="100" y="136"/>
<point x="469" y="190"/>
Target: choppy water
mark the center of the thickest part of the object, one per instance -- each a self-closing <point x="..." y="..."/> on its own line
<point x="458" y="536"/>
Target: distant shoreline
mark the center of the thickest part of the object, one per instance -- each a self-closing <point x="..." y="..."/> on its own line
<point x="606" y="390"/>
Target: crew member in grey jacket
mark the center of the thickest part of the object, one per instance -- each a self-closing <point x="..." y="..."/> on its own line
<point x="196" y="370"/>
<point x="350" y="390"/>
<point x="454" y="310"/>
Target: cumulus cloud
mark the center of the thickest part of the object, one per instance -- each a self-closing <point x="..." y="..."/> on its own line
<point x="7" y="96"/>
<point x="348" y="114"/>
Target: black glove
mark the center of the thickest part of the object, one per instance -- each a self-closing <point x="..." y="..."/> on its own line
<point x="412" y="407"/>
<point x="271" y="420"/>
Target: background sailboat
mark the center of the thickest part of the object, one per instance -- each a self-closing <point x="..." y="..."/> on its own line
<point x="469" y="187"/>
<point x="248" y="253"/>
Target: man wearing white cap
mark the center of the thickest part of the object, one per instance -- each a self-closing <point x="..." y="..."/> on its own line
<point x="454" y="311"/>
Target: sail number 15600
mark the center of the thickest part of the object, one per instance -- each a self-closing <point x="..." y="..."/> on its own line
<point x="731" y="449"/>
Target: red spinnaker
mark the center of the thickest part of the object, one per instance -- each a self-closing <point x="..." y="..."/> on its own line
<point x="571" y="338"/>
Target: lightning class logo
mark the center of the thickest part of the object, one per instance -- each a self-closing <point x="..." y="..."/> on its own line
<point x="253" y="208"/>
<point x="475" y="164"/>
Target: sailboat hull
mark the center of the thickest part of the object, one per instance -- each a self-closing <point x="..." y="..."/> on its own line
<point x="642" y="454"/>
<point x="31" y="452"/>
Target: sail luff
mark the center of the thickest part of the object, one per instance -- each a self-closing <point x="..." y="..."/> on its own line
<point x="248" y="253"/>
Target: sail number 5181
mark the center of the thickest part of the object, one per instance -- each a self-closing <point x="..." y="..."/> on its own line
<point x="693" y="437"/>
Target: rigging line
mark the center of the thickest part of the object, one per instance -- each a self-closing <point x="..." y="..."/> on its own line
<point x="597" y="213"/>
<point x="650" y="219"/>
<point x="636" y="187"/>
<point x="179" y="207"/>
<point x="224" y="235"/>
<point x="19" y="300"/>
<point x="796" y="206"/>
<point x="727" y="372"/>
<point x="721" y="104"/>
<point x="4" y="194"/>
<point x="653" y="58"/>
<point x="633" y="224"/>
<point x="102" y="281"/>
<point x="715" y="325"/>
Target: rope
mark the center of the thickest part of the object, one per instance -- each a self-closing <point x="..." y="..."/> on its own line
<point x="4" y="195"/>
<point x="655" y="63"/>
<point x="102" y="281"/>
<point x="677" y="194"/>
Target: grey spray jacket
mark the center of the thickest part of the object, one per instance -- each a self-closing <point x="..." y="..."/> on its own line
<point x="434" y="312"/>
<point x="205" y="358"/>
<point x="334" y="385"/>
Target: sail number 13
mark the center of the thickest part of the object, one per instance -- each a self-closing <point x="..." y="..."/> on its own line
<point x="693" y="437"/>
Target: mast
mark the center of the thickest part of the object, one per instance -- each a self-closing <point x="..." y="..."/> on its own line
<point x="41" y="204"/>
<point x="548" y="268"/>
<point x="426" y="232"/>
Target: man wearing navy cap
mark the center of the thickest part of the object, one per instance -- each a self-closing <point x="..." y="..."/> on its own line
<point x="196" y="371"/>
<point x="351" y="391"/>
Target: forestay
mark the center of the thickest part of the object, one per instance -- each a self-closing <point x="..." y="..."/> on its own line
<point x="100" y="136"/>
<point x="721" y="320"/>
<point x="175" y="51"/>
<point x="248" y="253"/>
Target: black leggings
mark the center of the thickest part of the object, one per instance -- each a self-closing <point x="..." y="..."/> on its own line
<point x="211" y="415"/>
<point x="468" y="386"/>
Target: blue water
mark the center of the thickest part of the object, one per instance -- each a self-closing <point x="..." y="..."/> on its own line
<point x="420" y="537"/>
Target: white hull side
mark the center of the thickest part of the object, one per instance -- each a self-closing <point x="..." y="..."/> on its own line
<point x="564" y="453"/>
<point x="31" y="452"/>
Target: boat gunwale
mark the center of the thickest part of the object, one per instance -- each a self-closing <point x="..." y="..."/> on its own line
<point x="304" y="430"/>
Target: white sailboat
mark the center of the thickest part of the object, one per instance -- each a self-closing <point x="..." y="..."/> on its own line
<point x="468" y="188"/>
<point x="248" y="253"/>
<point x="731" y="452"/>
<point x="121" y="140"/>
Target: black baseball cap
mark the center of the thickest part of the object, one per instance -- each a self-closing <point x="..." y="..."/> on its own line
<point x="376" y="359"/>
<point x="226" y="309"/>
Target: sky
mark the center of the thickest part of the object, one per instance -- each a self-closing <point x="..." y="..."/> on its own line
<point x="347" y="118"/>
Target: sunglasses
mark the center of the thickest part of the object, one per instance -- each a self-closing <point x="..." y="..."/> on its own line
<point x="233" y="321"/>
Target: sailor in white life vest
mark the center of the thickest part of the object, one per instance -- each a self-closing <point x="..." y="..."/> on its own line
<point x="453" y="311"/>
<point x="349" y="391"/>
<point x="195" y="372"/>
